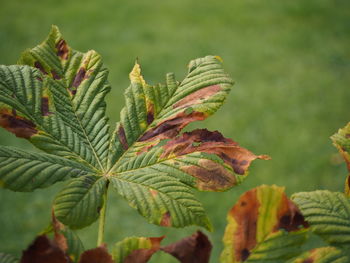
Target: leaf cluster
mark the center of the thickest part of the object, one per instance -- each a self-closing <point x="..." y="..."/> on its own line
<point x="55" y="98"/>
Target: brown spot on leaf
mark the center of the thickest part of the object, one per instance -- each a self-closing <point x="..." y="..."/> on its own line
<point x="172" y="127"/>
<point x="166" y="219"/>
<point x="143" y="255"/>
<point x="347" y="186"/>
<point x="38" y="65"/>
<point x="246" y="217"/>
<point x="347" y="135"/>
<point x="150" y="117"/>
<point x="214" y="143"/>
<point x="192" y="249"/>
<point x="150" y="113"/>
<point x="55" y="75"/>
<point x="62" y="49"/>
<point x="153" y="192"/>
<point x="212" y="176"/>
<point x="245" y="253"/>
<point x="43" y="250"/>
<point x="198" y="96"/>
<point x="346" y="156"/>
<point x="18" y="125"/>
<point x="79" y="77"/>
<point x="96" y="255"/>
<point x="122" y="137"/>
<point x="45" y="106"/>
<point x="289" y="216"/>
<point x="308" y="260"/>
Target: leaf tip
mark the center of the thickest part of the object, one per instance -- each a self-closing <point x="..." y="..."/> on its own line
<point x="135" y="74"/>
<point x="264" y="157"/>
<point x="219" y="58"/>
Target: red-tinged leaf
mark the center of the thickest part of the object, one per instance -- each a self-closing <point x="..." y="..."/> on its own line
<point x="66" y="240"/>
<point x="202" y="140"/>
<point x="136" y="249"/>
<point x="143" y="255"/>
<point x="172" y="127"/>
<point x="96" y="255"/>
<point x="43" y="250"/>
<point x="341" y="140"/>
<point x="261" y="220"/>
<point x="192" y="249"/>
<point x="60" y="239"/>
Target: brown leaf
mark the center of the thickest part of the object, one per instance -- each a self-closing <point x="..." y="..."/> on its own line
<point x="96" y="255"/>
<point x="43" y="250"/>
<point x="143" y="255"/>
<point x="289" y="216"/>
<point x="192" y="249"/>
<point x="246" y="213"/>
<point x="60" y="239"/>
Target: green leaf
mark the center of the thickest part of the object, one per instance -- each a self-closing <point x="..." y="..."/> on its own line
<point x="7" y="258"/>
<point x="341" y="140"/>
<point x="328" y="214"/>
<point x="323" y="255"/>
<point x="162" y="199"/>
<point x="26" y="171"/>
<point x="136" y="249"/>
<point x="79" y="203"/>
<point x="263" y="226"/>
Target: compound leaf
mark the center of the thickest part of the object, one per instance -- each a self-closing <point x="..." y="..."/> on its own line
<point x="263" y="226"/>
<point x="323" y="255"/>
<point x="55" y="99"/>
<point x="328" y="214"/>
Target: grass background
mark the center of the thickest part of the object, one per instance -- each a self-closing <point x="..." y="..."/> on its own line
<point x="290" y="61"/>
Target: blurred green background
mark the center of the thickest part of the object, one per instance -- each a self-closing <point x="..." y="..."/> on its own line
<point x="290" y="61"/>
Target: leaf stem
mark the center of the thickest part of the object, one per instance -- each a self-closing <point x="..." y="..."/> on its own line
<point x="102" y="219"/>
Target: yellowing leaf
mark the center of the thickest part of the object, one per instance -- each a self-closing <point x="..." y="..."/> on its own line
<point x="263" y="226"/>
<point x="342" y="141"/>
